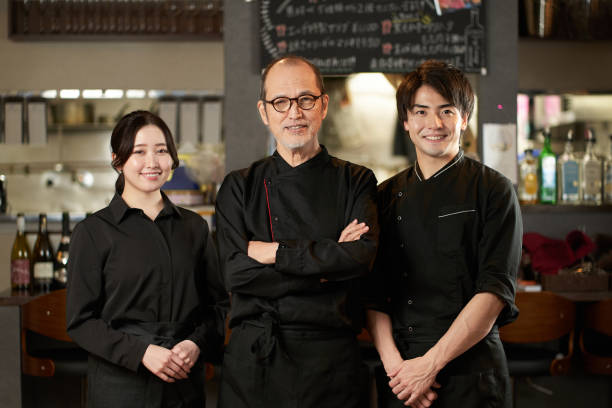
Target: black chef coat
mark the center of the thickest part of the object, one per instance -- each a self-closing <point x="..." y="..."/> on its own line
<point x="443" y="240"/>
<point x="293" y="341"/>
<point x="305" y="208"/>
<point x="133" y="282"/>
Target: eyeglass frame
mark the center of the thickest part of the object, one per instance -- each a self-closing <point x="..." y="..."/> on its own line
<point x="296" y="99"/>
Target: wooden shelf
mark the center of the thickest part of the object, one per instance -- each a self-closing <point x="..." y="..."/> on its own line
<point x="565" y="208"/>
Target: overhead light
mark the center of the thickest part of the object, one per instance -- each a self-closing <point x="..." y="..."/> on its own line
<point x="92" y="93"/>
<point x="155" y="93"/>
<point x="372" y="82"/>
<point x="69" y="93"/>
<point x="49" y="94"/>
<point x="113" y="93"/>
<point x="136" y="93"/>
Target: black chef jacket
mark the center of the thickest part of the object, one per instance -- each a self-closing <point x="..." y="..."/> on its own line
<point x="305" y="208"/>
<point x="127" y="272"/>
<point x="443" y="240"/>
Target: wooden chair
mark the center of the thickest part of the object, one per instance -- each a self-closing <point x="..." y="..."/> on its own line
<point x="544" y="317"/>
<point x="598" y="318"/>
<point x="45" y="316"/>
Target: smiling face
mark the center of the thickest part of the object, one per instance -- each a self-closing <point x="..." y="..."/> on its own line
<point x="297" y="128"/>
<point x="435" y="127"/>
<point x="150" y="163"/>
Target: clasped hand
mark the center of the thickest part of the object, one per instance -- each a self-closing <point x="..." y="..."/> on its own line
<point x="171" y="364"/>
<point x="412" y="381"/>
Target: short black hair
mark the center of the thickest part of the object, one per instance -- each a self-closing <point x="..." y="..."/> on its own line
<point x="446" y="79"/>
<point x="292" y="59"/>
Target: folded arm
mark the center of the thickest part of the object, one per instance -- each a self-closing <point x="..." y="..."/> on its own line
<point x="348" y="256"/>
<point x="244" y="274"/>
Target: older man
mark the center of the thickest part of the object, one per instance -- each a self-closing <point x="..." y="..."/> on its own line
<point x="450" y="246"/>
<point x="297" y="231"/>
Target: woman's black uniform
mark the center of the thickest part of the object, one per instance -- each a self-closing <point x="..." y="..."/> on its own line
<point x="134" y="282"/>
<point x="293" y="336"/>
<point x="442" y="241"/>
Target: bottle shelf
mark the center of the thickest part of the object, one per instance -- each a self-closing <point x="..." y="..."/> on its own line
<point x="565" y="208"/>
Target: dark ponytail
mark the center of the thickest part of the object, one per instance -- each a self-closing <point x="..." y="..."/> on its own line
<point x="120" y="183"/>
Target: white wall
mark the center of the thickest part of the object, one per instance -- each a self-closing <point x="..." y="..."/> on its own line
<point x="194" y="65"/>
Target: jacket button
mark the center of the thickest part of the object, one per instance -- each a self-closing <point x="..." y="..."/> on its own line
<point x="410" y="329"/>
<point x="400" y="194"/>
<point x="399" y="217"/>
<point x="409" y="301"/>
<point x="275" y="219"/>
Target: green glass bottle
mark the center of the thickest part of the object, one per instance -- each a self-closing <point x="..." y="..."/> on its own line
<point x="547" y="165"/>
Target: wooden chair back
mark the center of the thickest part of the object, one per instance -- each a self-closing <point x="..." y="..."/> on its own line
<point x="543" y="317"/>
<point x="45" y="315"/>
<point x="597" y="317"/>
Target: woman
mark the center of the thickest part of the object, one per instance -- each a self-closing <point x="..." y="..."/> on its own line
<point x="145" y="294"/>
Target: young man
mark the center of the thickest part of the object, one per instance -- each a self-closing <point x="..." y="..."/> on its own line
<point x="450" y="246"/>
<point x="297" y="231"/>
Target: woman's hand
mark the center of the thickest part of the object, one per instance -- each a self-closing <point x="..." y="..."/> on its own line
<point x="187" y="351"/>
<point x="165" y="364"/>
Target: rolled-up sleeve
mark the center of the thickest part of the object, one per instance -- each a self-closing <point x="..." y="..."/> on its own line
<point x="500" y="248"/>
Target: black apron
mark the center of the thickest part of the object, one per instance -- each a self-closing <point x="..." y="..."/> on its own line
<point x="110" y="385"/>
<point x="476" y="379"/>
<point x="268" y="365"/>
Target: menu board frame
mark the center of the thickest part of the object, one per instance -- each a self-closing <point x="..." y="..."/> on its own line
<point x="346" y="36"/>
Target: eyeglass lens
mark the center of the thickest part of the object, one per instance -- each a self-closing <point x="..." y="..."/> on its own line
<point x="284" y="104"/>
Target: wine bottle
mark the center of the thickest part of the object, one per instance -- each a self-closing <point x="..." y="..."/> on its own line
<point x="547" y="166"/>
<point x="568" y="172"/>
<point x="20" y="258"/>
<point x="591" y="172"/>
<point x="61" y="258"/>
<point x="528" y="182"/>
<point x="42" y="258"/>
<point x="608" y="175"/>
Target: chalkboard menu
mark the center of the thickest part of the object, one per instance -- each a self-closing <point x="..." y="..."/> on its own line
<point x="345" y="36"/>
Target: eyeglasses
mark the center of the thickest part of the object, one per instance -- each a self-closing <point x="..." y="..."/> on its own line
<point x="283" y="104"/>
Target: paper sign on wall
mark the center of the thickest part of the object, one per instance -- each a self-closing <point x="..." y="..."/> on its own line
<point x="499" y="148"/>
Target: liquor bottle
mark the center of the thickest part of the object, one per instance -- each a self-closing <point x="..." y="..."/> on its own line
<point x="20" y="258"/>
<point x="528" y="182"/>
<point x="547" y="170"/>
<point x="608" y="176"/>
<point x="591" y="172"/>
<point x="42" y="258"/>
<point x="474" y="42"/>
<point x="569" y="176"/>
<point x="61" y="258"/>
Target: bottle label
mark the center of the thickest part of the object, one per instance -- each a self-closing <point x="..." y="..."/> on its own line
<point x="608" y="185"/>
<point x="571" y="181"/>
<point x="592" y="178"/>
<point x="548" y="172"/>
<point x="531" y="183"/>
<point x="43" y="270"/>
<point x="20" y="271"/>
